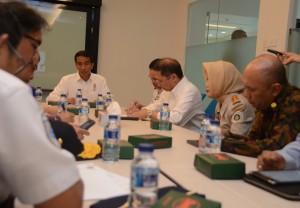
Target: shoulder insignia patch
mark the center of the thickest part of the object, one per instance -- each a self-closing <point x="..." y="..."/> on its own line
<point x="239" y="108"/>
<point x="237" y="116"/>
<point x="235" y="99"/>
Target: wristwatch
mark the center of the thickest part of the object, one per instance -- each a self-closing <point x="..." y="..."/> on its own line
<point x="149" y="114"/>
<point x="59" y="112"/>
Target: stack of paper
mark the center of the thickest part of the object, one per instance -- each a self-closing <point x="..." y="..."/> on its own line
<point x="102" y="184"/>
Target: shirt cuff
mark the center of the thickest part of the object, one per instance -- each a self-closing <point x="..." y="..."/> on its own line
<point x="289" y="161"/>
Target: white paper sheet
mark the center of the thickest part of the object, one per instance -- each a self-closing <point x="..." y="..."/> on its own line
<point x="102" y="184"/>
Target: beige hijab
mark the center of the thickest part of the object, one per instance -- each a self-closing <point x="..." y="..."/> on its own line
<point x="226" y="77"/>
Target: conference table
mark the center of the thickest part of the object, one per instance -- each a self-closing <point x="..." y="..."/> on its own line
<point x="178" y="162"/>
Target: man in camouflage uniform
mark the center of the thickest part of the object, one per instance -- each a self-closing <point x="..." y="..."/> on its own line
<point x="277" y="104"/>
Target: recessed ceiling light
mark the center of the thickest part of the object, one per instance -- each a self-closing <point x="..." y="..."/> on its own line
<point x="221" y="26"/>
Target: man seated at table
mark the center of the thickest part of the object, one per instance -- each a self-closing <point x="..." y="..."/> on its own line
<point x="184" y="98"/>
<point x="136" y="105"/>
<point x="90" y="84"/>
<point x="286" y="158"/>
<point x="32" y="167"/>
<point x="277" y="103"/>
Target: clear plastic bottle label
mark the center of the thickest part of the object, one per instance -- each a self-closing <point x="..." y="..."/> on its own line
<point x="145" y="177"/>
<point x="164" y="115"/>
<point x="111" y="134"/>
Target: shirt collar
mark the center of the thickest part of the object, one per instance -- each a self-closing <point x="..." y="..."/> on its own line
<point x="179" y="86"/>
<point x="78" y="78"/>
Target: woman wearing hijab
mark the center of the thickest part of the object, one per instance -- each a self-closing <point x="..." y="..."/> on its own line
<point x="223" y="82"/>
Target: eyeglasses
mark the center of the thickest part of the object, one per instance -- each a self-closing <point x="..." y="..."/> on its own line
<point x="159" y="81"/>
<point x="36" y="44"/>
<point x="152" y="79"/>
<point x="20" y="59"/>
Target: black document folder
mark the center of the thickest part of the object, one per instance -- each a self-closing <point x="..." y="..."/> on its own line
<point x="290" y="191"/>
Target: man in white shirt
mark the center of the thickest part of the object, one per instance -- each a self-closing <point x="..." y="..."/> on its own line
<point x="32" y="167"/>
<point x="186" y="108"/>
<point x="90" y="84"/>
<point x="136" y="105"/>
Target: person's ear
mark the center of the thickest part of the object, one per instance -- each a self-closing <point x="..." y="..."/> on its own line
<point x="276" y="89"/>
<point x="3" y="39"/>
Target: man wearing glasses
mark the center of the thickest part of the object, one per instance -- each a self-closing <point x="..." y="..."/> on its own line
<point x="32" y="167"/>
<point x="184" y="98"/>
<point x="136" y="105"/>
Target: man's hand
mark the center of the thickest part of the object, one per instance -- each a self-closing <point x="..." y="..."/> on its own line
<point x="270" y="160"/>
<point x="133" y="107"/>
<point x="141" y="114"/>
<point x="289" y="57"/>
<point x="51" y="110"/>
<point x="71" y="100"/>
<point x="80" y="132"/>
<point x="67" y="116"/>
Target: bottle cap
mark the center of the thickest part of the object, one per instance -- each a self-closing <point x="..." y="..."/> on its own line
<point x="165" y="104"/>
<point x="146" y="147"/>
<point x="63" y="95"/>
<point x="113" y="117"/>
<point x="84" y="99"/>
<point x="100" y="94"/>
<point x="215" y="122"/>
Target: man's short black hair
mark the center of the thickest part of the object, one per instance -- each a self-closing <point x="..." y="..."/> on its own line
<point x="9" y="24"/>
<point x="85" y="54"/>
<point x="30" y="20"/>
<point x="168" y="66"/>
<point x="153" y="63"/>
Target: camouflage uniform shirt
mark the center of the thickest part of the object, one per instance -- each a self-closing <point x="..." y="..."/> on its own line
<point x="272" y="129"/>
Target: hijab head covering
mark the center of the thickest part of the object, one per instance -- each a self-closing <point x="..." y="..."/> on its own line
<point x="224" y="78"/>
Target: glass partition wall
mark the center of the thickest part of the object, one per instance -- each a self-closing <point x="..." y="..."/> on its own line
<point x="210" y="27"/>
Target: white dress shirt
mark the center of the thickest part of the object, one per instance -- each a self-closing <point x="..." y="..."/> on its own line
<point x="156" y="94"/>
<point x="90" y="89"/>
<point x="32" y="166"/>
<point x="186" y="108"/>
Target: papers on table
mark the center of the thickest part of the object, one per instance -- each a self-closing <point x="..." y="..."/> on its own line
<point x="102" y="184"/>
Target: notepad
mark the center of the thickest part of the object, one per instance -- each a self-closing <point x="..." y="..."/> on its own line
<point x="102" y="184"/>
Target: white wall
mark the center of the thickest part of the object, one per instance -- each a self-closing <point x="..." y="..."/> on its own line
<point x="298" y="9"/>
<point x="132" y="34"/>
<point x="275" y="19"/>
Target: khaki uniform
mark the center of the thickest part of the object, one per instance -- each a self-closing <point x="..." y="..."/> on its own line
<point x="236" y="114"/>
<point x="272" y="129"/>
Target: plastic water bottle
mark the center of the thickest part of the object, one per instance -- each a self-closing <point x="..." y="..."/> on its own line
<point x="78" y="98"/>
<point x="108" y="100"/>
<point x="144" y="178"/>
<point x="100" y="103"/>
<point x="39" y="94"/>
<point x="84" y="111"/>
<point x="63" y="105"/>
<point x="213" y="137"/>
<point x="204" y="125"/>
<point x="164" y="118"/>
<point x="111" y="147"/>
